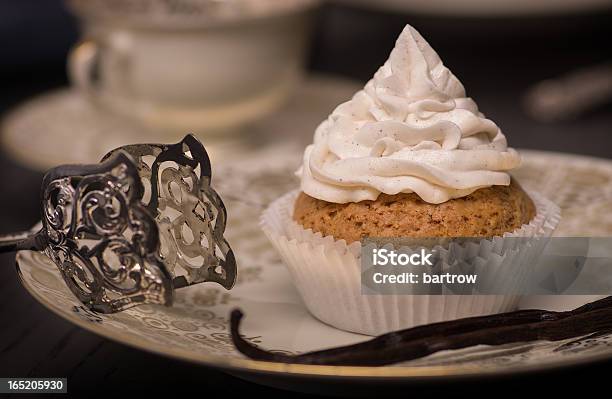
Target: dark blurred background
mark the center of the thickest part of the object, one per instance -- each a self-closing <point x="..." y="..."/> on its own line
<point x="498" y="58"/>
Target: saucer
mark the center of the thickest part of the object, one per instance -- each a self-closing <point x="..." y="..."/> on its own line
<point x="195" y="329"/>
<point x="63" y="127"/>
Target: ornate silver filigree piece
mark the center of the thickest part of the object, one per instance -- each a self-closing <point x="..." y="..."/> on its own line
<point x="133" y="228"/>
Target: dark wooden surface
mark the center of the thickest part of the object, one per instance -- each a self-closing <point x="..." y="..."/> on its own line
<point x="496" y="60"/>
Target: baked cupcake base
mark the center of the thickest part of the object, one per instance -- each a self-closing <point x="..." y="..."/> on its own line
<point x="327" y="273"/>
<point x="487" y="212"/>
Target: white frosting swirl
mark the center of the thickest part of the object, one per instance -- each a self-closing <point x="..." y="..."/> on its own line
<point x="411" y="129"/>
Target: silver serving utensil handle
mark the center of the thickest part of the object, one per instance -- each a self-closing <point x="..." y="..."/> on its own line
<point x="31" y="240"/>
<point x="133" y="228"/>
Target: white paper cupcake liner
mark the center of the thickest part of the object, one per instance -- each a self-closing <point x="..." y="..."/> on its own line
<point x="327" y="272"/>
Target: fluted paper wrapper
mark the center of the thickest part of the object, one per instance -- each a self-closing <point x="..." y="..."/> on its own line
<point x="327" y="273"/>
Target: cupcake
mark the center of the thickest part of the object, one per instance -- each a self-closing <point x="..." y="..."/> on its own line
<point x="409" y="156"/>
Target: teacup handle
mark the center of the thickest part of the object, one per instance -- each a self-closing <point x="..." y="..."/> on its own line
<point x="81" y="64"/>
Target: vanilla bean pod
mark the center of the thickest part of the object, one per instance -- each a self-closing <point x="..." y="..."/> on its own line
<point x="417" y="342"/>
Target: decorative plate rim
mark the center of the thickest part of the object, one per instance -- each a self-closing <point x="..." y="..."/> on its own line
<point x="306" y="370"/>
<point x="560" y="154"/>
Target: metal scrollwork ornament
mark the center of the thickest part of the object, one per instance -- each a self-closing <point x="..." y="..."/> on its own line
<point x="132" y="229"/>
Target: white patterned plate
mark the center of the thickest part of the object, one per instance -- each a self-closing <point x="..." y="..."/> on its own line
<point x="196" y="327"/>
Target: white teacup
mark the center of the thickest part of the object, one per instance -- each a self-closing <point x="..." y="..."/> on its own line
<point x="190" y="65"/>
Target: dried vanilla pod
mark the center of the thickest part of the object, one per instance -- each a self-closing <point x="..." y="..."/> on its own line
<point x="421" y="341"/>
